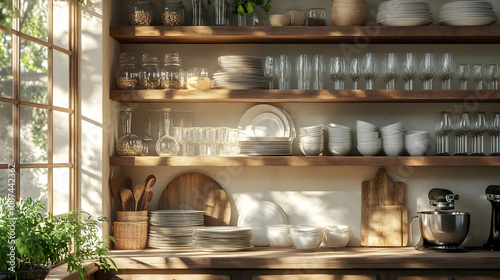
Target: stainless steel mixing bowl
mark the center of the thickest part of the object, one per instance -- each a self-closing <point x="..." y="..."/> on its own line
<point x="444" y="228"/>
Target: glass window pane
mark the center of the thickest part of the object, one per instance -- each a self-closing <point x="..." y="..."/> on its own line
<point x="34" y="184"/>
<point x="60" y="191"/>
<point x="60" y="23"/>
<point x="34" y="18"/>
<point x="34" y="133"/>
<point x="61" y="80"/>
<point x="5" y="64"/>
<point x="4" y="184"/>
<point x="61" y="137"/>
<point x="34" y="72"/>
<point x="6" y="135"/>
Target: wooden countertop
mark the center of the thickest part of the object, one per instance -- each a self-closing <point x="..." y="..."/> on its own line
<point x="324" y="258"/>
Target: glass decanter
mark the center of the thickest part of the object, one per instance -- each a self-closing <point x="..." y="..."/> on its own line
<point x="148" y="146"/>
<point x="128" y="144"/>
<point x="166" y="144"/>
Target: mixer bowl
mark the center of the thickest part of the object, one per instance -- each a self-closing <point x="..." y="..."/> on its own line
<point x="444" y="228"/>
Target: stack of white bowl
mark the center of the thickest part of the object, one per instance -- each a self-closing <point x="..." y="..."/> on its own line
<point x="311" y="140"/>
<point x="306" y="237"/>
<point x="369" y="142"/>
<point x="279" y="235"/>
<point x="339" y="139"/>
<point x="416" y="142"/>
<point x="336" y="235"/>
<point x="392" y="139"/>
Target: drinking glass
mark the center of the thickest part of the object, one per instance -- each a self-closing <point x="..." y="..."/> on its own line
<point x="479" y="128"/>
<point x="303" y="71"/>
<point x="337" y="71"/>
<point x="318" y="72"/>
<point x="390" y="73"/>
<point x="463" y="72"/>
<point x="222" y="147"/>
<point x="270" y="70"/>
<point x="188" y="137"/>
<point x="442" y="128"/>
<point x="201" y="138"/>
<point x="177" y="133"/>
<point x="489" y="73"/>
<point x="427" y="70"/>
<point x="494" y="132"/>
<point x="211" y="135"/>
<point x="148" y="146"/>
<point x="369" y="69"/>
<point x="355" y="71"/>
<point x="409" y="70"/>
<point x="478" y="75"/>
<point x="496" y="77"/>
<point x="461" y="127"/>
<point x="284" y="69"/>
<point x="446" y="70"/>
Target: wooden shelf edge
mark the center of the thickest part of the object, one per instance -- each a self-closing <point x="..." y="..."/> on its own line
<point x="306" y="34"/>
<point x="302" y="161"/>
<point x="304" y="96"/>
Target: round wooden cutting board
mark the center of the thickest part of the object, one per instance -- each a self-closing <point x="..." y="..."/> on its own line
<point x="195" y="191"/>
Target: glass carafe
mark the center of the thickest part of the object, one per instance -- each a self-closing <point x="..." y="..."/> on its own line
<point x="173" y="13"/>
<point x="148" y="146"/>
<point x="166" y="144"/>
<point x="199" y="12"/>
<point x="128" y="144"/>
<point x="149" y="77"/>
<point x="173" y="75"/>
<point x="126" y="75"/>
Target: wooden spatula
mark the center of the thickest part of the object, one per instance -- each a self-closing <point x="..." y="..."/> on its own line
<point x="149" y="197"/>
<point x="138" y="191"/>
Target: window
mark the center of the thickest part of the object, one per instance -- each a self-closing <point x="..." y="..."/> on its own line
<point x="38" y="102"/>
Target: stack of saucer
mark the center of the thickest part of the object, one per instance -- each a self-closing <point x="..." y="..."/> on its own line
<point x="173" y="228"/>
<point x="239" y="72"/>
<point x="392" y="139"/>
<point x="416" y="142"/>
<point x="223" y="238"/>
<point x="404" y="13"/>
<point x="312" y="140"/>
<point x="339" y="139"/>
<point x="467" y="13"/>
<point x="369" y="141"/>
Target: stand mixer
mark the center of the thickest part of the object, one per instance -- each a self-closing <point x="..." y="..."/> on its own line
<point x="493" y="195"/>
<point x="442" y="230"/>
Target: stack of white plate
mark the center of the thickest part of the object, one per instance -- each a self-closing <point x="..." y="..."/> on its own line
<point x="223" y="238"/>
<point x="392" y="139"/>
<point x="266" y="130"/>
<point x="416" y="142"/>
<point x="339" y="139"/>
<point x="369" y="141"/>
<point x="467" y="13"/>
<point x="239" y="72"/>
<point x="312" y="140"/>
<point x="173" y="228"/>
<point x="404" y="13"/>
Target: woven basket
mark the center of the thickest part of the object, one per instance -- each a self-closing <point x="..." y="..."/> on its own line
<point x="132" y="216"/>
<point x="130" y="235"/>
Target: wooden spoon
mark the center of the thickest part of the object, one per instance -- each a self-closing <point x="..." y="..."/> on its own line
<point x="148" y="186"/>
<point x="127" y="199"/>
<point x="127" y="183"/>
<point x="115" y="186"/>
<point x="149" y="197"/>
<point x="138" y="191"/>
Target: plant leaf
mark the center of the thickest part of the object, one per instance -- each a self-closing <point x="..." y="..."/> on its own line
<point x="250" y="7"/>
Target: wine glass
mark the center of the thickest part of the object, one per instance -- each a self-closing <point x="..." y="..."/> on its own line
<point x="494" y="132"/>
<point x="463" y="72"/>
<point x="409" y="70"/>
<point x="284" y="69"/>
<point x="390" y="72"/>
<point x="479" y="128"/>
<point x="442" y="128"/>
<point x="337" y="71"/>
<point x="369" y="69"/>
<point x="355" y="71"/>
<point x="270" y="70"/>
<point x="303" y="71"/>
<point x="478" y="75"/>
<point x="318" y="72"/>
<point x="489" y="72"/>
<point x="461" y="127"/>
<point x="446" y="70"/>
<point x="427" y="70"/>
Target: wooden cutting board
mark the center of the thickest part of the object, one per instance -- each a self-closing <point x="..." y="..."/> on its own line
<point x="384" y="218"/>
<point x="195" y="191"/>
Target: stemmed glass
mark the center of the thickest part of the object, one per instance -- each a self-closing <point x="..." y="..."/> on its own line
<point x="446" y="70"/>
<point x="409" y="70"/>
<point x="442" y="128"/>
<point x="489" y="72"/>
<point x="478" y="75"/>
<point x="284" y="72"/>
<point x="461" y="127"/>
<point x="369" y="69"/>
<point x="337" y="71"/>
<point x="494" y="132"/>
<point x="463" y="72"/>
<point x="270" y="70"/>
<point x="355" y="71"/>
<point x="479" y="128"/>
<point x="303" y="71"/>
<point x="390" y="72"/>
<point x="427" y="70"/>
<point x="318" y="72"/>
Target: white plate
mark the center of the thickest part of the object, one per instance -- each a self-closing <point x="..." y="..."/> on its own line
<point x="248" y="117"/>
<point x="258" y="216"/>
<point x="268" y="125"/>
<point x="467" y="21"/>
<point x="405" y="22"/>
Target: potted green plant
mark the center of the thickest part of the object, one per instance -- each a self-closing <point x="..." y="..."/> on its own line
<point x="31" y="241"/>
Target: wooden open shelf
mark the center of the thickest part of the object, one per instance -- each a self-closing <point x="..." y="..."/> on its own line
<point x="306" y="34"/>
<point x="304" y="96"/>
<point x="302" y="161"/>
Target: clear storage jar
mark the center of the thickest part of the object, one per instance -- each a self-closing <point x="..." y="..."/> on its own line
<point x="173" y="75"/>
<point x="149" y="77"/>
<point x="140" y="12"/>
<point x="172" y="13"/>
<point x="316" y="17"/>
<point x="126" y="75"/>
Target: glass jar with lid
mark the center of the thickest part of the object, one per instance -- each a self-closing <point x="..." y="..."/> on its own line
<point x="173" y="75"/>
<point x="128" y="144"/>
<point x="140" y="12"/>
<point x="316" y="17"/>
<point x="149" y="76"/>
<point x="172" y="13"/>
<point x="126" y="75"/>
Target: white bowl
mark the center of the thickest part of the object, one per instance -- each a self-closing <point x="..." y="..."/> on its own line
<point x="311" y="150"/>
<point x="369" y="150"/>
<point x="392" y="150"/>
<point x="312" y="140"/>
<point x="365" y="125"/>
<point x="337" y="236"/>
<point x="279" y="235"/>
<point x="306" y="238"/>
<point x="394" y="126"/>
<point x="334" y="126"/>
<point x="339" y="150"/>
<point x="370" y="142"/>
